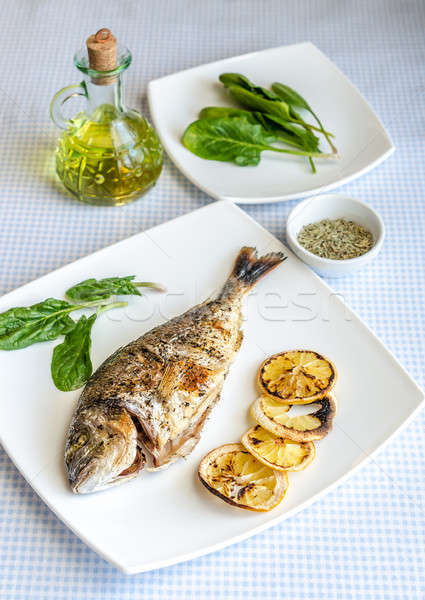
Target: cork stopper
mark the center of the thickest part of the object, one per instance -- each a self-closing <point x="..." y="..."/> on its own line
<point x="102" y="51"/>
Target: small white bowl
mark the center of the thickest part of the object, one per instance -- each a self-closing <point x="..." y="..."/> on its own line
<point x="334" y="206"/>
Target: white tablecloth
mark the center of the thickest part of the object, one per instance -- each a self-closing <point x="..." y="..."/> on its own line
<point x="365" y="540"/>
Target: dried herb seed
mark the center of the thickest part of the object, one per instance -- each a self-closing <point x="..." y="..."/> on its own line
<point x="337" y="239"/>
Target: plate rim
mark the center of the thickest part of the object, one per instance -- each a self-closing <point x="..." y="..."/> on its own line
<point x="281" y="198"/>
<point x="137" y="567"/>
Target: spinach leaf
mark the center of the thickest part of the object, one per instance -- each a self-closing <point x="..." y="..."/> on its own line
<point x="298" y="135"/>
<point x="307" y="139"/>
<point x="304" y="136"/>
<point x="240" y="142"/>
<point x="229" y="79"/>
<point x="290" y="96"/>
<point x="257" y="101"/>
<point x="254" y="96"/>
<point x="71" y="363"/>
<point x="284" y="130"/>
<point x="227" y="139"/>
<point x="232" y="139"/>
<point x="284" y="99"/>
<point x="213" y="112"/>
<point x="23" y="326"/>
<point x="294" y="100"/>
<point x="20" y="327"/>
<point x="102" y="289"/>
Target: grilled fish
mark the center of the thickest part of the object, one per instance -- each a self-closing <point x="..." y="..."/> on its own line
<point x="156" y="392"/>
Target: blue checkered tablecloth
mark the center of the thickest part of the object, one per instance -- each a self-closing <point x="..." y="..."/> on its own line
<point x="364" y="540"/>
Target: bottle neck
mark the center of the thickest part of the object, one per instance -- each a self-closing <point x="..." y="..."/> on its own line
<point x="99" y="95"/>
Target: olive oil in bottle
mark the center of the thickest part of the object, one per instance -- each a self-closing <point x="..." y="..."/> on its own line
<point x="108" y="154"/>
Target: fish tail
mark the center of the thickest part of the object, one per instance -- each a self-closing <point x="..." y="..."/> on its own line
<point x="249" y="268"/>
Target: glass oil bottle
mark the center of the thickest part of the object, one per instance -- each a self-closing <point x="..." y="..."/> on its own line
<point x="108" y="154"/>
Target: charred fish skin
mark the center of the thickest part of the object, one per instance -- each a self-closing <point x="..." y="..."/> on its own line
<point x="159" y="389"/>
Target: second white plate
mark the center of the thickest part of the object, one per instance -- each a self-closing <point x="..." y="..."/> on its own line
<point x="175" y="101"/>
<point x="165" y="517"/>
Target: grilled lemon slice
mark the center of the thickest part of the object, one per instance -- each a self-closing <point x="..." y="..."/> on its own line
<point x="296" y="376"/>
<point x="276" y="452"/>
<point x="234" y="475"/>
<point x="273" y="416"/>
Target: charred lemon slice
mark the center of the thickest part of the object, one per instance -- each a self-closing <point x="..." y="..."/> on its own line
<point x="276" y="452"/>
<point x="274" y="416"/>
<point x="296" y="376"/>
<point x="234" y="475"/>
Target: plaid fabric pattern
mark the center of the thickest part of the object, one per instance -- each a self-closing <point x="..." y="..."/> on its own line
<point x="365" y="540"/>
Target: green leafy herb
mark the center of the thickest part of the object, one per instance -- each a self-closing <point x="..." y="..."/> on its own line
<point x="257" y="97"/>
<point x="102" y="289"/>
<point x="23" y="326"/>
<point x="229" y="79"/>
<point x="294" y="100"/>
<point x="20" y="327"/>
<point x="284" y="130"/>
<point x="45" y="321"/>
<point x="227" y="139"/>
<point x="257" y="101"/>
<point x="215" y="112"/>
<point x="305" y="136"/>
<point x="71" y="363"/>
<point x="214" y="137"/>
<point x="233" y="139"/>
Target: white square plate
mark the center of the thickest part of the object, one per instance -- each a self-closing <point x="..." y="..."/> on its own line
<point x="165" y="517"/>
<point x="175" y="101"/>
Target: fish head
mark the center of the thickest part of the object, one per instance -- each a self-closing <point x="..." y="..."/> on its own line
<point x="102" y="449"/>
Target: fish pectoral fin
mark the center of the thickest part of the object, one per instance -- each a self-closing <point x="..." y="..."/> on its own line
<point x="184" y="375"/>
<point x="169" y="380"/>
